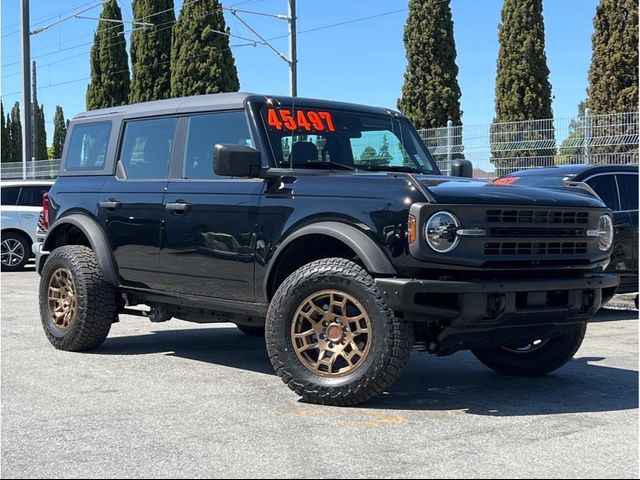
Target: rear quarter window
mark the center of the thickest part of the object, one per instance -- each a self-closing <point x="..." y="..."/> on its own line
<point x="31" y="196"/>
<point x="88" y="146"/>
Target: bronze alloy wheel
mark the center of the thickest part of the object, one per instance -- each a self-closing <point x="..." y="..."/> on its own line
<point x="63" y="299"/>
<point x="331" y="333"/>
<point x="527" y="347"/>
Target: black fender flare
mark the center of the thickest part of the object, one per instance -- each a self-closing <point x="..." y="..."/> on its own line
<point x="97" y="238"/>
<point x="372" y="256"/>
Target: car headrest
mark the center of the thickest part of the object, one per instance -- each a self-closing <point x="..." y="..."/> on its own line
<point x="303" y="152"/>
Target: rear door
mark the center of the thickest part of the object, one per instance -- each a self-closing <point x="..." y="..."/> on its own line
<point x="210" y="232"/>
<point x="130" y="204"/>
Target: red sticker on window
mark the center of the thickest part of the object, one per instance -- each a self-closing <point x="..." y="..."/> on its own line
<point x="301" y="120"/>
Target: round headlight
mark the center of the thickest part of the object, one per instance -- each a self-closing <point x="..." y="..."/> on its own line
<point x="605" y="232"/>
<point x="440" y="232"/>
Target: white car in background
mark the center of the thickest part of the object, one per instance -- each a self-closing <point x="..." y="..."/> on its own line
<point x="20" y="205"/>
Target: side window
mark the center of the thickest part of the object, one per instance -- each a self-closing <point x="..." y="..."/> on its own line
<point x="204" y="132"/>
<point x="88" y="146"/>
<point x="9" y="195"/>
<point x="605" y="187"/>
<point x="32" y="196"/>
<point x="628" y="185"/>
<point x="145" y="151"/>
<point x="379" y="148"/>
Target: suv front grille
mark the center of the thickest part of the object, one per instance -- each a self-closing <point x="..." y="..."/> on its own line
<point x="535" y="248"/>
<point x="537" y="216"/>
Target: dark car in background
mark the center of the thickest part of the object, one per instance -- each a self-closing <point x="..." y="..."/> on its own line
<point x="617" y="186"/>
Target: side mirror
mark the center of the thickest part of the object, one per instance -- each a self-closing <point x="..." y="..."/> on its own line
<point x="461" y="168"/>
<point x="236" y="161"/>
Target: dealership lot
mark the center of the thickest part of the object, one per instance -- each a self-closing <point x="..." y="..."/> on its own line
<point x="183" y="400"/>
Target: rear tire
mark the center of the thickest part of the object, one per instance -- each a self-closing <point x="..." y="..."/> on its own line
<point x="251" y="331"/>
<point x="15" y="251"/>
<point x="331" y="337"/>
<point x="546" y="357"/>
<point x="77" y="305"/>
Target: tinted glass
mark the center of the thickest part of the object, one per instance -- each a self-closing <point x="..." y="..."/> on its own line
<point x="88" y="146"/>
<point x="9" y="195"/>
<point x="535" y="180"/>
<point x="32" y="196"/>
<point x="204" y="132"/>
<point x="146" y="148"/>
<point x="605" y="187"/>
<point x="628" y="185"/>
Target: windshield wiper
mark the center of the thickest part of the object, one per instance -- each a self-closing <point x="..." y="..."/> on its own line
<point x="323" y="164"/>
<point x="390" y="168"/>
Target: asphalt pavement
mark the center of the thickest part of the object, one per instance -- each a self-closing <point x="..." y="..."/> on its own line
<point x="178" y="400"/>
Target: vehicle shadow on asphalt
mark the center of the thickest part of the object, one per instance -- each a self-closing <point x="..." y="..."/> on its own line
<point x="455" y="383"/>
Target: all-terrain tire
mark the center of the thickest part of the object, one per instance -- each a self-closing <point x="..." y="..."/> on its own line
<point x="391" y="337"/>
<point x="95" y="300"/>
<point x="20" y="246"/>
<point x="251" y="331"/>
<point x="550" y="356"/>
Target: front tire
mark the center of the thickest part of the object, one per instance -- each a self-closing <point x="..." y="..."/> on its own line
<point x="77" y="305"/>
<point x="15" y="251"/>
<point x="536" y="358"/>
<point x="331" y="337"/>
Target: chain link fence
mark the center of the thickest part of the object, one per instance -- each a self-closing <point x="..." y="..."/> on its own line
<point x="500" y="148"/>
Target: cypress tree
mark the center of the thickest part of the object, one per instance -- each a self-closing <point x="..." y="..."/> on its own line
<point x="110" y="84"/>
<point x="201" y="60"/>
<point x="6" y="147"/>
<point x="430" y="94"/>
<point x="523" y="91"/>
<point x="40" y="152"/>
<point x="15" y="134"/>
<point x="151" y="50"/>
<point x="613" y="76"/>
<point x="59" y="132"/>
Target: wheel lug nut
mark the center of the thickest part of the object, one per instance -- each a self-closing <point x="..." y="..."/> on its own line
<point x="331" y="345"/>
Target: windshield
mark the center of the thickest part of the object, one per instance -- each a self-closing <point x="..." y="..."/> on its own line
<point x="308" y="138"/>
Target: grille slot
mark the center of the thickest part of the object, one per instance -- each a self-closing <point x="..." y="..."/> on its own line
<point x="531" y="232"/>
<point x="537" y="216"/>
<point x="535" y="248"/>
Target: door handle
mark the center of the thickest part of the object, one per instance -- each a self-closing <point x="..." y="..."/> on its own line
<point x="177" y="207"/>
<point x="109" y="205"/>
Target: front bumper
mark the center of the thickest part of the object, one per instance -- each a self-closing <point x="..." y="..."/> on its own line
<point x="498" y="303"/>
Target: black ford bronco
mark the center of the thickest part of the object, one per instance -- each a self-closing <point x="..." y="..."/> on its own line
<point x="326" y="227"/>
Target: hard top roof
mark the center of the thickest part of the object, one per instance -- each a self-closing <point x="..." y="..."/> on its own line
<point x="221" y="101"/>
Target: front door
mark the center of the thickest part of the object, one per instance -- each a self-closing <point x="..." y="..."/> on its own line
<point x="130" y="205"/>
<point x="210" y="228"/>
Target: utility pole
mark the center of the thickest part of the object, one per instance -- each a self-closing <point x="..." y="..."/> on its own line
<point x="26" y="89"/>
<point x="34" y="109"/>
<point x="293" y="49"/>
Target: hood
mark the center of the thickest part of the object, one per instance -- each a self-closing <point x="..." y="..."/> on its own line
<point x="450" y="190"/>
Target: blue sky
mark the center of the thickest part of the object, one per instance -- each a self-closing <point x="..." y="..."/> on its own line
<point x="360" y="62"/>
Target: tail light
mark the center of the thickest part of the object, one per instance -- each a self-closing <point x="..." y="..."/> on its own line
<point x="45" y="211"/>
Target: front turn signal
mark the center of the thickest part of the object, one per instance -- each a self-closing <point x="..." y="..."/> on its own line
<point x="412" y="229"/>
